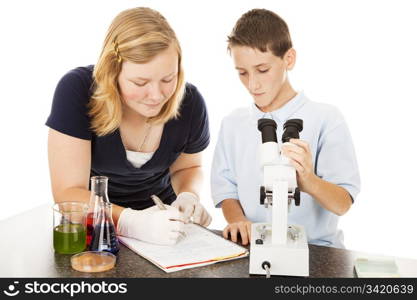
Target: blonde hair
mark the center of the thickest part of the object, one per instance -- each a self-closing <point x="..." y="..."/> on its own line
<point x="136" y="35"/>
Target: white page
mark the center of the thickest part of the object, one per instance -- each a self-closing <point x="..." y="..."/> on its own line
<point x="199" y="245"/>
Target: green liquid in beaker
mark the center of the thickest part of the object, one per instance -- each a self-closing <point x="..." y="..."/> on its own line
<point x="69" y="238"/>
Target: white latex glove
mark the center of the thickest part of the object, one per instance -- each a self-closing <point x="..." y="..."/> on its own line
<point x="152" y="225"/>
<point x="190" y="206"/>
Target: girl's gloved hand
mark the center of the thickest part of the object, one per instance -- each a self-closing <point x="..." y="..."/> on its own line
<point x="190" y="206"/>
<point x="152" y="225"/>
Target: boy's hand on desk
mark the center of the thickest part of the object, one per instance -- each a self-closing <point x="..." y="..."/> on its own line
<point x="190" y="206"/>
<point x="242" y="227"/>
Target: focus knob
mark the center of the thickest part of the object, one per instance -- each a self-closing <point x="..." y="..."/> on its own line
<point x="263" y="195"/>
<point x="297" y="197"/>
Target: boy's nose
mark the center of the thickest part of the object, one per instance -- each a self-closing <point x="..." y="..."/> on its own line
<point x="253" y="85"/>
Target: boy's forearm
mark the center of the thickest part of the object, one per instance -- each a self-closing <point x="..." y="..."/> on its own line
<point x="232" y="211"/>
<point x="330" y="196"/>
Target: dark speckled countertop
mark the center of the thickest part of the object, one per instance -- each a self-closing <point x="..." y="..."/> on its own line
<point x="26" y="251"/>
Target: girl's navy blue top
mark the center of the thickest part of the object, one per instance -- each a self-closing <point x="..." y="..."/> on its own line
<point x="129" y="186"/>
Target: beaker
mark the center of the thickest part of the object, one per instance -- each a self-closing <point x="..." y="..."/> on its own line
<point x="69" y="232"/>
<point x="104" y="234"/>
<point x="98" y="195"/>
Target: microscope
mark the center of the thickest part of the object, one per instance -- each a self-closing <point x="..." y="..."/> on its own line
<point x="278" y="248"/>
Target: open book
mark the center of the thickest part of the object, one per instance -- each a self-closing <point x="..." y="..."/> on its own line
<point x="200" y="247"/>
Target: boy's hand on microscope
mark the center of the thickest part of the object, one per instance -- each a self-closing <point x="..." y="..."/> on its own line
<point x="299" y="154"/>
<point x="241" y="227"/>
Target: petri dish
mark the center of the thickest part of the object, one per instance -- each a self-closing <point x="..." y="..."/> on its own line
<point x="93" y="261"/>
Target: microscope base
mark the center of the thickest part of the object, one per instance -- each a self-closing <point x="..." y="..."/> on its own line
<point x="290" y="259"/>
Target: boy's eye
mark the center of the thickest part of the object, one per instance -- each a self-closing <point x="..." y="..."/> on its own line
<point x="263" y="71"/>
<point x="242" y="73"/>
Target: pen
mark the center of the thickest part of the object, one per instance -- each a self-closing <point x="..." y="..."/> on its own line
<point x="158" y="202"/>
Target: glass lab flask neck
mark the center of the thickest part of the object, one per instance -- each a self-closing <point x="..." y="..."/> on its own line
<point x="104" y="234"/>
<point x="99" y="189"/>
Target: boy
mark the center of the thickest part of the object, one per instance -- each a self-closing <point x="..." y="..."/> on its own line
<point x="324" y="157"/>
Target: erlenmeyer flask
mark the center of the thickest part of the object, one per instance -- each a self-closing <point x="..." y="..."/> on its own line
<point x="104" y="234"/>
<point x="98" y="195"/>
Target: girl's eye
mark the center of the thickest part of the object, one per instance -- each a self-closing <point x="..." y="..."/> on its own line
<point x="140" y="84"/>
<point x="242" y="73"/>
<point x="168" y="80"/>
<point x="263" y="71"/>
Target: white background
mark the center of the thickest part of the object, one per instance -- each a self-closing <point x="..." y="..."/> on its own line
<point x="357" y="55"/>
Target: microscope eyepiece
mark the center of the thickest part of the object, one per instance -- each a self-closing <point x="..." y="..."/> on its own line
<point x="292" y="129"/>
<point x="268" y="128"/>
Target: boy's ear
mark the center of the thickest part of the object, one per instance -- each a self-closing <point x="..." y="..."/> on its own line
<point x="290" y="58"/>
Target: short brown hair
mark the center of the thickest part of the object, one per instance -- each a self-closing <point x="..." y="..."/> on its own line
<point x="261" y="29"/>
